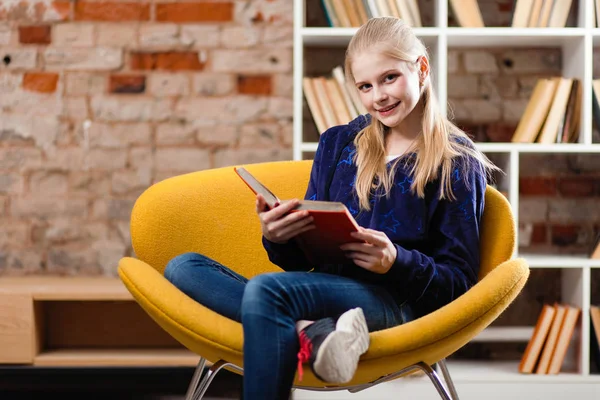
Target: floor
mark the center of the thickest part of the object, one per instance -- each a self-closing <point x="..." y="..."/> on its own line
<point x="33" y="383"/>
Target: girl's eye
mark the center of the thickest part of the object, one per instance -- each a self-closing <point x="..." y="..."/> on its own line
<point x="364" y="87"/>
<point x="390" y="77"/>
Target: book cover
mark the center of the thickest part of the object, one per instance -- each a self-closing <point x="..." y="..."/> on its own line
<point x="333" y="223"/>
<point x="550" y="345"/>
<point x="564" y="339"/>
<point x="535" y="344"/>
<point x="536" y="111"/>
<point x="595" y="336"/>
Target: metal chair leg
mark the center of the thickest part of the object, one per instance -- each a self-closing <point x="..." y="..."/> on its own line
<point x="198" y="386"/>
<point x="448" y="379"/>
<point x="195" y="379"/>
<point x="435" y="379"/>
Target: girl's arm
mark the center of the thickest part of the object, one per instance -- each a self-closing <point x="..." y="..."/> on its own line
<point x="288" y="256"/>
<point x="431" y="282"/>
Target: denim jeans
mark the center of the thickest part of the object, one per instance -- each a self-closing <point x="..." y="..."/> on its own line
<point x="268" y="307"/>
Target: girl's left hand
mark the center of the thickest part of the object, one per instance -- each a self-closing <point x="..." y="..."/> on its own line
<point x="377" y="254"/>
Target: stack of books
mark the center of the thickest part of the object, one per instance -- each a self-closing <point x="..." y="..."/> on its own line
<point x="553" y="112"/>
<point x="545" y="353"/>
<point x="354" y="13"/>
<point x="331" y="99"/>
<point x="541" y="13"/>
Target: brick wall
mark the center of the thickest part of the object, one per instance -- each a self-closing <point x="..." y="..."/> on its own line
<point x="100" y="99"/>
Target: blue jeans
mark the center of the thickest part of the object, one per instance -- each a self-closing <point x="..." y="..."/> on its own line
<point x="269" y="305"/>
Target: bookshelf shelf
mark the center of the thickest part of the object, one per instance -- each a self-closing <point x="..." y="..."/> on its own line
<point x="559" y="261"/>
<point x="504" y="371"/>
<point x="577" y="45"/>
<point x="342" y="36"/>
<point x="512" y="37"/>
<point x="505" y="334"/>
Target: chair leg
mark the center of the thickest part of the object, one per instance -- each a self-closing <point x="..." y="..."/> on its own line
<point x="195" y="379"/>
<point x="435" y="379"/>
<point x="198" y="386"/>
<point x="448" y="379"/>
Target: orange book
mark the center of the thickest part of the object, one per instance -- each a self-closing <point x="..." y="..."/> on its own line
<point x="596" y="253"/>
<point x="542" y="367"/>
<point x="536" y="111"/>
<point x="540" y="332"/>
<point x="564" y="339"/>
<point x="333" y="223"/>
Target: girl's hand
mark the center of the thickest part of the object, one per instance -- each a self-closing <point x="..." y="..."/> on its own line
<point x="377" y="254"/>
<point x="279" y="224"/>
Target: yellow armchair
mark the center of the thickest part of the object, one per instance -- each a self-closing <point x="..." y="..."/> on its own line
<point x="212" y="212"/>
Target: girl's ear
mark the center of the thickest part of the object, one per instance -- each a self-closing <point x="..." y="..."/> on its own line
<point x="423" y="65"/>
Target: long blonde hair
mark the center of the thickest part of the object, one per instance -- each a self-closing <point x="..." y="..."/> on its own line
<point x="437" y="145"/>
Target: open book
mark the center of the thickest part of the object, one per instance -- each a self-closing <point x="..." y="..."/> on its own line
<point x="333" y="223"/>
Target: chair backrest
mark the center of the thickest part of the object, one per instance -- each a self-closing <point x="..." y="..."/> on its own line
<point x="497" y="233"/>
<point x="212" y="212"/>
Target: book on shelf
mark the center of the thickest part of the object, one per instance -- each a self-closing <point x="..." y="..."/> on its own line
<point x="595" y="334"/>
<point x="467" y="13"/>
<point x="596" y="251"/>
<point x="535" y="344"/>
<point x="565" y="335"/>
<point x="541" y="13"/>
<point x="354" y="13"/>
<point x="596" y="102"/>
<point x="333" y="223"/>
<point x="546" y="350"/>
<point x="551" y="340"/>
<point x="331" y="100"/>
<point x="553" y="112"/>
<point x="596" y="4"/>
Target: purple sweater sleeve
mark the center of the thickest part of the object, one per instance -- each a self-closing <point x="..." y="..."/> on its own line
<point x="289" y="256"/>
<point x="451" y="268"/>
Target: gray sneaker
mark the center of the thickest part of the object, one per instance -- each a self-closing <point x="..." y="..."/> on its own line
<point x="333" y="349"/>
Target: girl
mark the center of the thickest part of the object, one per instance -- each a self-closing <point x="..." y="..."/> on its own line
<point x="415" y="184"/>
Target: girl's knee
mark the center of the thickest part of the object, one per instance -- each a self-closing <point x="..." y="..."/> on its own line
<point x="261" y="287"/>
<point x="180" y="265"/>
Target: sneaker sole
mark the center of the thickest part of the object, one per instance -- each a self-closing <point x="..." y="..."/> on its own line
<point x="338" y="355"/>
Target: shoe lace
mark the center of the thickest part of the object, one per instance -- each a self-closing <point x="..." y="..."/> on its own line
<point x="303" y="353"/>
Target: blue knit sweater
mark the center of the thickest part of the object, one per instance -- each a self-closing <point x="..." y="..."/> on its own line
<point x="437" y="240"/>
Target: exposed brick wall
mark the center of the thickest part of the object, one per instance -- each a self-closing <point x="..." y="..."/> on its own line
<point x="100" y="99"/>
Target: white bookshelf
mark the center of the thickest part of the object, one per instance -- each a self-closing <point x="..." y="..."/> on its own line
<point x="577" y="45"/>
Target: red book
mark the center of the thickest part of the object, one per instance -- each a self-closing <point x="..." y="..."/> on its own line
<point x="333" y="223"/>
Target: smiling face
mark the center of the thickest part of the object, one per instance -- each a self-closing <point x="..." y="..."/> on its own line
<point x="389" y="88"/>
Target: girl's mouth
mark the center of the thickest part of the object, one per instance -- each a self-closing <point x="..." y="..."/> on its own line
<point x="388" y="110"/>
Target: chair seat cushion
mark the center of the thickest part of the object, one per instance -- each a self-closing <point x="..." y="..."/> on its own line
<point x="428" y="339"/>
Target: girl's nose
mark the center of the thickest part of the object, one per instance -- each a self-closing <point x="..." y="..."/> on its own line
<point x="380" y="95"/>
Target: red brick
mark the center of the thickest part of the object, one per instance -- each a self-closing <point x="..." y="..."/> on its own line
<point x="578" y="186"/>
<point x="169" y="61"/>
<point x="204" y="11"/>
<point x="255" y="85"/>
<point x="537" y="186"/>
<point x="539" y="234"/>
<point x="109" y="11"/>
<point x="127" y="84"/>
<point x="499" y="132"/>
<point x="41" y="34"/>
<point x="43" y="82"/>
<point x="565" y="235"/>
<point x="505" y="6"/>
<point x="63" y="8"/>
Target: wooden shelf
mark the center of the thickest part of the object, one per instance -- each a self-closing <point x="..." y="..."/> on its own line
<point x="66" y="288"/>
<point x="116" y="358"/>
<point x="81" y="321"/>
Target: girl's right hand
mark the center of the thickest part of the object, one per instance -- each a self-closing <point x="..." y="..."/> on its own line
<point x="279" y="224"/>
